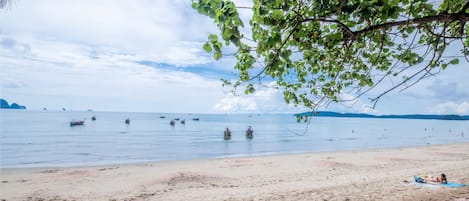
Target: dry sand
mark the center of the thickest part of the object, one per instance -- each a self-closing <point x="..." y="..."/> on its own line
<point x="378" y="174"/>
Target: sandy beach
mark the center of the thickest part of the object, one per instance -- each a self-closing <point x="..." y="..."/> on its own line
<point x="379" y="174"/>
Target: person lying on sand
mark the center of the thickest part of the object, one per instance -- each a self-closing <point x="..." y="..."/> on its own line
<point x="430" y="179"/>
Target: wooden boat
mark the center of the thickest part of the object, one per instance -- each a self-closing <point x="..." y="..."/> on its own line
<point x="162" y="117"/>
<point x="127" y="121"/>
<point x="77" y="123"/>
<point x="172" y="122"/>
<point x="227" y="134"/>
<point x="183" y="121"/>
<point x="93" y="118"/>
<point x="195" y="119"/>
<point x="249" y="133"/>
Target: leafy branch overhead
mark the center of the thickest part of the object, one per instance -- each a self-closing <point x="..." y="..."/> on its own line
<point x="318" y="50"/>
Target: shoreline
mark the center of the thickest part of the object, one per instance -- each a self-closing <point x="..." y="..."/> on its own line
<point x="255" y="155"/>
<point x="366" y="174"/>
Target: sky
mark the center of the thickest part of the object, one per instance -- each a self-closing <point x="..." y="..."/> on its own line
<point x="147" y="56"/>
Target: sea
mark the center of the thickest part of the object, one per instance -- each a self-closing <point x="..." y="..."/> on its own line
<point x="46" y="139"/>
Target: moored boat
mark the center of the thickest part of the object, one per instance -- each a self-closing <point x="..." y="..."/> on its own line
<point x="77" y="123"/>
<point x="227" y="134"/>
<point x="249" y="133"/>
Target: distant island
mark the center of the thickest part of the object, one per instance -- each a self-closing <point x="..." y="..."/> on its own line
<point x="406" y="116"/>
<point x="4" y="105"/>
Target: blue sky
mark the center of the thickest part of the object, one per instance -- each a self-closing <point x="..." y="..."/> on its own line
<point x="147" y="56"/>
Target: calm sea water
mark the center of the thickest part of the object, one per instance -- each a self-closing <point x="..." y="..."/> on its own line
<point x="45" y="138"/>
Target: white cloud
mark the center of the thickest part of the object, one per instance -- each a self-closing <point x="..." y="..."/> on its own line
<point x="57" y="74"/>
<point x="161" y="31"/>
<point x="84" y="55"/>
<point x="451" y="108"/>
<point x="266" y="99"/>
<point x="233" y="103"/>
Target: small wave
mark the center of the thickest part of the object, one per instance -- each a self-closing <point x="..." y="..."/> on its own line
<point x="350" y="138"/>
<point x="38" y="162"/>
<point x="247" y="154"/>
<point x="81" y="154"/>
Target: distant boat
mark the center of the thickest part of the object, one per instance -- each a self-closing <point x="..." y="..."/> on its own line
<point x="183" y="121"/>
<point x="227" y="134"/>
<point x="93" y="118"/>
<point x="127" y="121"/>
<point x="77" y="123"/>
<point x="195" y="119"/>
<point x="249" y="133"/>
<point x="177" y="119"/>
<point x="162" y="117"/>
<point x="172" y="122"/>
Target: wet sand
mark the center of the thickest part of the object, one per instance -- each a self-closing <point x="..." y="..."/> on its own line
<point x="378" y="174"/>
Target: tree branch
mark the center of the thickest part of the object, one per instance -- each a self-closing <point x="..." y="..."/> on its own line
<point x="442" y="34"/>
<point x="244" y="7"/>
<point x="462" y="17"/>
<point x="323" y="19"/>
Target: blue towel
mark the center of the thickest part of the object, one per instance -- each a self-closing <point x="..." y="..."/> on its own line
<point x="436" y="185"/>
<point x="454" y="185"/>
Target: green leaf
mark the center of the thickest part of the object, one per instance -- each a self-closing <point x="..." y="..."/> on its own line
<point x="217" y="55"/>
<point x="207" y="47"/>
<point x="250" y="89"/>
<point x="277" y="14"/>
<point x="443" y="6"/>
<point x="213" y="38"/>
<point x="444" y="66"/>
<point x="454" y="61"/>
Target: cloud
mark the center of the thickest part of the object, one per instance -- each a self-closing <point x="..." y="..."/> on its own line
<point x="13" y="84"/>
<point x="233" y="103"/>
<point x="447" y="91"/>
<point x="13" y="45"/>
<point x="7" y="43"/>
<point x="65" y="75"/>
<point x="164" y="31"/>
<point x="86" y="55"/>
<point x="267" y="98"/>
<point x="451" y="108"/>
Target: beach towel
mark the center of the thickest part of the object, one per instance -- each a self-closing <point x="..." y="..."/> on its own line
<point x="421" y="182"/>
<point x="431" y="185"/>
<point x="453" y="185"/>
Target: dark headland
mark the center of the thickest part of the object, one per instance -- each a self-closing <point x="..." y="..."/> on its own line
<point x="4" y="105"/>
<point x="405" y="116"/>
